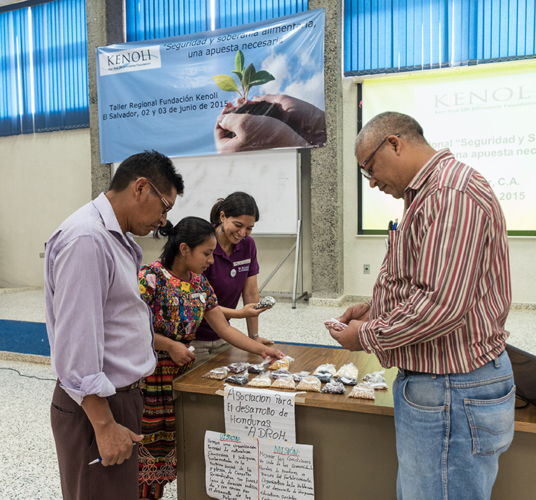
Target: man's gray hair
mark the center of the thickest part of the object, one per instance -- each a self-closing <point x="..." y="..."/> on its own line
<point x="390" y="123"/>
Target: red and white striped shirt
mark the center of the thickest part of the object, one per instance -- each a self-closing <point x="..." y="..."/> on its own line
<point x="443" y="293"/>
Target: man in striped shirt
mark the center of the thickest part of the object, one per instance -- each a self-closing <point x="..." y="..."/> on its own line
<point x="438" y="313"/>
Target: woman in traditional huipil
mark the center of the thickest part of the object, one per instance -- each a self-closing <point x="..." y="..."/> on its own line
<point x="179" y="297"/>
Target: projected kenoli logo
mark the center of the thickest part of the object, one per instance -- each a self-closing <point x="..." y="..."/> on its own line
<point x="473" y="99"/>
<point x="137" y="59"/>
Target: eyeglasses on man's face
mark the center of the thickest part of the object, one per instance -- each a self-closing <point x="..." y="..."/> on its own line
<point x="167" y="206"/>
<point x="367" y="174"/>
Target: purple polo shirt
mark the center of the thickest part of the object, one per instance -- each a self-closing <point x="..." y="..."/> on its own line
<point x="228" y="276"/>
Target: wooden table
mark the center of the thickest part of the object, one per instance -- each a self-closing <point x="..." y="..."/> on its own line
<point x="353" y="439"/>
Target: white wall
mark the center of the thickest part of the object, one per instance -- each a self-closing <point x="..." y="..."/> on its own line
<point x="522" y="257"/>
<point x="44" y="177"/>
<point x="360" y="250"/>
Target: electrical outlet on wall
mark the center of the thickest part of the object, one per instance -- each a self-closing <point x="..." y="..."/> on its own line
<point x="366" y="268"/>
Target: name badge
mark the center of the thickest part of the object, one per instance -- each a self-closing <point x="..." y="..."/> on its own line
<point x="200" y="296"/>
<point x="242" y="262"/>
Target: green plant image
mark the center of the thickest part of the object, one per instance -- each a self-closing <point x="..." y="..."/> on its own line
<point x="248" y="78"/>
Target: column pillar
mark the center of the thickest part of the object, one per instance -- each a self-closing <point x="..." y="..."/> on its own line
<point x="105" y="26"/>
<point x="327" y="241"/>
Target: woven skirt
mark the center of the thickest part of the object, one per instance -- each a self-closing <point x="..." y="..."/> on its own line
<point x="157" y="453"/>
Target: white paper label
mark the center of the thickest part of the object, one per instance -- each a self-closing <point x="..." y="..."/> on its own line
<point x="260" y="413"/>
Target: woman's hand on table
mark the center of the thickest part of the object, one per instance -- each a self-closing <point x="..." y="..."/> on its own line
<point x="263" y="341"/>
<point x="249" y="311"/>
<point x="273" y="353"/>
<point x="180" y="354"/>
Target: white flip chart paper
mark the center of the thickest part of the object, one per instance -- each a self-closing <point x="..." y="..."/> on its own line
<point x="245" y="468"/>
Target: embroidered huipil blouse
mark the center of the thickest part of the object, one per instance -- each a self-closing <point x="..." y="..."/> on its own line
<point x="177" y="306"/>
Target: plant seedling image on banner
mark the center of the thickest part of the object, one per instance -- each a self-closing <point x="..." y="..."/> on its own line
<point x="252" y="87"/>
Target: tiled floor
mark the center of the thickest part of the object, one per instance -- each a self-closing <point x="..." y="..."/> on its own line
<point x="28" y="469"/>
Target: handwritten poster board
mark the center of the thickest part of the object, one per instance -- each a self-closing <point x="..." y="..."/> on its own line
<point x="260" y="413"/>
<point x="286" y="471"/>
<point x="244" y="468"/>
<point x="232" y="466"/>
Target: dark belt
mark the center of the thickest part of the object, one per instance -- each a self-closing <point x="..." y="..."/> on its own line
<point x="135" y="385"/>
<point x="407" y="373"/>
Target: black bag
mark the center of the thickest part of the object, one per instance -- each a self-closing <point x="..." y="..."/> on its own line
<point x="524" y="368"/>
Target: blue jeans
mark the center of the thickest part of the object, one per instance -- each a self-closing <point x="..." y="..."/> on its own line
<point x="450" y="431"/>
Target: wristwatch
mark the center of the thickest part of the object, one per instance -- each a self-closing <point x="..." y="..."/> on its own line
<point x="254" y="336"/>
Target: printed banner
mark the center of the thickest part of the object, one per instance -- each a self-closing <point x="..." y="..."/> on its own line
<point x="251" y="87"/>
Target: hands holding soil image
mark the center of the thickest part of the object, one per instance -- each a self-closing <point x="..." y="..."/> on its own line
<point x="267" y="122"/>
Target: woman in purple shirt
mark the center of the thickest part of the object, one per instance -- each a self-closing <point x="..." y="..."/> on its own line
<point x="234" y="271"/>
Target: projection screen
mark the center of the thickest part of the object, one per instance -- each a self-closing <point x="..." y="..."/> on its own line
<point x="485" y="115"/>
